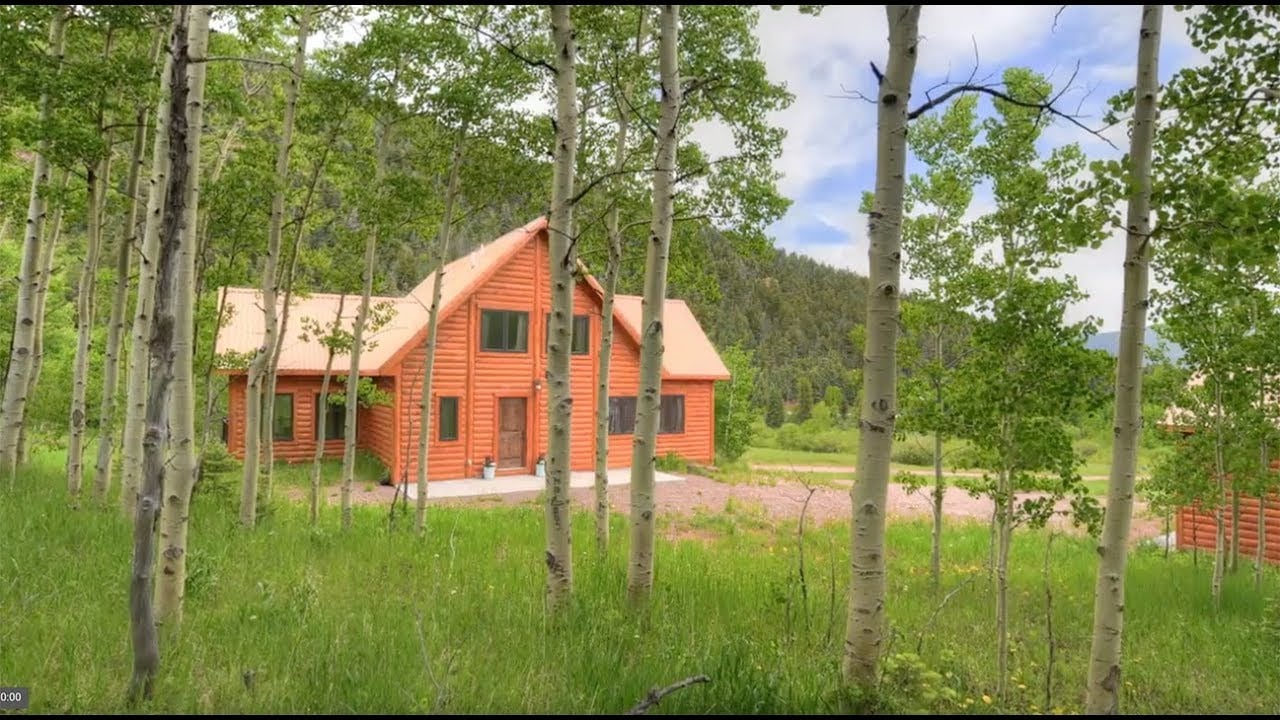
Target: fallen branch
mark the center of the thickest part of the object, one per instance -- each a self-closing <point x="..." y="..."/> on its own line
<point x="946" y="599"/>
<point x="655" y="696"/>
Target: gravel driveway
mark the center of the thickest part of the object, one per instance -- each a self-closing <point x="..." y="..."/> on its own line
<point x="780" y="501"/>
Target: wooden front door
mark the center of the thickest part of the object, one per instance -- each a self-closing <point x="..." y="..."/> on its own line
<point x="511" y="427"/>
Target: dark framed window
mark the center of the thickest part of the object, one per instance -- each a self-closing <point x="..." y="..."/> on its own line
<point x="282" y="422"/>
<point x="671" y="414"/>
<point x="504" y="330"/>
<point x="622" y="415"/>
<point x="448" y="418"/>
<point x="335" y="419"/>
<point x="579" y="337"/>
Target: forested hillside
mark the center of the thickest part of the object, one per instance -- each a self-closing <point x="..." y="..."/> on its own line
<point x="795" y="313"/>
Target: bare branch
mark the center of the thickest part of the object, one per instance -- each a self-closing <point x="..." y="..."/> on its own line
<point x="512" y="49"/>
<point x="251" y="61"/>
<point x="656" y="696"/>
<point x="1057" y="15"/>
<point x="1043" y="106"/>
<point x="946" y="599"/>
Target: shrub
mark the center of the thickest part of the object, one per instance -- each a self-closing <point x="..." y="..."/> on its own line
<point x="1086" y="449"/>
<point x="966" y="456"/>
<point x="810" y="438"/>
<point x="671" y="462"/>
<point x="762" y="435"/>
<point x="912" y="452"/>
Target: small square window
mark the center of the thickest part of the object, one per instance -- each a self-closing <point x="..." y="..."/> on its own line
<point x="448" y="418"/>
<point x="335" y="418"/>
<point x="671" y="414"/>
<point x="622" y="415"/>
<point x="282" y="422"/>
<point x="580" y="335"/>
<point x="504" y="330"/>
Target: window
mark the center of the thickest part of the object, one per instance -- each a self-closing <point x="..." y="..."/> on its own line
<point x="335" y="419"/>
<point x="671" y="416"/>
<point x="448" y="418"/>
<point x="580" y="335"/>
<point x="504" y="330"/>
<point x="622" y="415"/>
<point x="282" y="423"/>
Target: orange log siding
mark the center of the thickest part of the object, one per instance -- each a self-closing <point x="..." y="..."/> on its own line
<point x="1196" y="528"/>
<point x="479" y="378"/>
<point x="371" y="423"/>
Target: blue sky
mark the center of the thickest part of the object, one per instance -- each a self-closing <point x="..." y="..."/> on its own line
<point x="828" y="157"/>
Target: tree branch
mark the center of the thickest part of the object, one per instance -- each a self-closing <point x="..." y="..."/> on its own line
<point x="512" y="50"/>
<point x="656" y="696"/>
<point x="1042" y="106"/>
<point x="251" y="61"/>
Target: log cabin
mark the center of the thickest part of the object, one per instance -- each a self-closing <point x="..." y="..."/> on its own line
<point x="488" y="391"/>
<point x="1195" y="526"/>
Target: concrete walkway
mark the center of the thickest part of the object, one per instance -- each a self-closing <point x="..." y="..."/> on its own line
<point x="504" y="484"/>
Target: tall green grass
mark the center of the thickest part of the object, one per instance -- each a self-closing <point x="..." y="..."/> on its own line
<point x="287" y="619"/>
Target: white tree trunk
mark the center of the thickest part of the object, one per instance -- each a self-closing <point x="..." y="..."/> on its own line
<point x="612" y="267"/>
<point x="182" y="419"/>
<point x="865" y="634"/>
<point x="99" y="179"/>
<point x="561" y="258"/>
<point x="259" y="404"/>
<point x="146" y="648"/>
<point x="211" y="386"/>
<point x="433" y="321"/>
<point x="1103" y="690"/>
<point x="353" y="379"/>
<point x="1220" y="470"/>
<point x="1004" y="532"/>
<point x="322" y="421"/>
<point x="53" y="232"/>
<point x="648" y="403"/>
<point x="13" y="409"/>
<point x="269" y="390"/>
<point x="136" y="395"/>
<point x="357" y="336"/>
<point x="119" y="300"/>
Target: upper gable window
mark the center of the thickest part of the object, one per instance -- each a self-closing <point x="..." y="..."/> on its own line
<point x="504" y="330"/>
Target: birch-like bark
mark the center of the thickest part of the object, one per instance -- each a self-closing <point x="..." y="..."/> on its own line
<point x="1220" y="469"/>
<point x="202" y="224"/>
<point x="211" y="387"/>
<point x="1235" y="531"/>
<point x="357" y="335"/>
<point x="136" y="395"/>
<point x="1004" y="528"/>
<point x="53" y="232"/>
<point x="269" y="389"/>
<point x="98" y="180"/>
<point x="864" y="637"/>
<point x="610" y="284"/>
<point x="17" y="379"/>
<point x="939" y="486"/>
<point x="1260" y="552"/>
<point x="259" y="405"/>
<point x="644" y="454"/>
<point x="1103" y="689"/>
<point x="146" y="647"/>
<point x="433" y="321"/>
<point x="322" y="420"/>
<point x="182" y="420"/>
<point x="119" y="301"/>
<point x="559" y="227"/>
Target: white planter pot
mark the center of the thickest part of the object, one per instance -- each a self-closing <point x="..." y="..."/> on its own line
<point x="490" y="471"/>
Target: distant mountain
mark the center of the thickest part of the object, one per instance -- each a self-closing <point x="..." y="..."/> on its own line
<point x="1110" y="341"/>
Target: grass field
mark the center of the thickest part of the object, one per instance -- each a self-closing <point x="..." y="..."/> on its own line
<point x="376" y="620"/>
